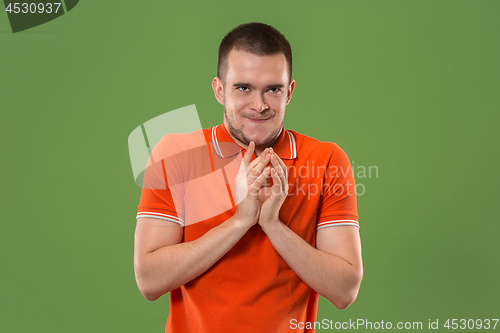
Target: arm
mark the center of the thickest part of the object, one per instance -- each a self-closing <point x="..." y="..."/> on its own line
<point x="334" y="269"/>
<point x="162" y="263"/>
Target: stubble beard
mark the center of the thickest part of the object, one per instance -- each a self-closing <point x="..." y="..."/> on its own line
<point x="238" y="132"/>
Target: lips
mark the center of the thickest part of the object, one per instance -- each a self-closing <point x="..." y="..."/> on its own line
<point x="258" y="119"/>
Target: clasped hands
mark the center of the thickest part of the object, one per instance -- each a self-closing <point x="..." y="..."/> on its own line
<point x="256" y="201"/>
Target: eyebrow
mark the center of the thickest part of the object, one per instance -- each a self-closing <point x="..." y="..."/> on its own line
<point x="244" y="84"/>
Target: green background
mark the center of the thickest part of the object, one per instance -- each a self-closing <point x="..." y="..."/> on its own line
<point x="411" y="87"/>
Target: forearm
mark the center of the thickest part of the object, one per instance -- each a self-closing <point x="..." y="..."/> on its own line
<point x="331" y="276"/>
<point x="169" y="267"/>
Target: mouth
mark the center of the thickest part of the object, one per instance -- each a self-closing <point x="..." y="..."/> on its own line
<point x="258" y="120"/>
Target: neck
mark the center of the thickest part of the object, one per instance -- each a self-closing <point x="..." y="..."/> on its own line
<point x="260" y="149"/>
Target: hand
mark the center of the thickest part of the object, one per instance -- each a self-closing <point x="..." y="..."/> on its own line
<point x="269" y="211"/>
<point x="249" y="181"/>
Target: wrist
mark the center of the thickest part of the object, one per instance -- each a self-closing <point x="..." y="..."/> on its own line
<point x="271" y="226"/>
<point x="240" y="223"/>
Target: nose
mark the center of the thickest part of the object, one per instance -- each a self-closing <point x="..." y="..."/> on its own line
<point x="259" y="105"/>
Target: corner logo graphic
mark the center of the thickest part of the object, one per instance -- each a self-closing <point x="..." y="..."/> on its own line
<point x="28" y="14"/>
<point x="187" y="172"/>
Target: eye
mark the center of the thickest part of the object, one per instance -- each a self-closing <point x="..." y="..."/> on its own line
<point x="274" y="90"/>
<point x="243" y="89"/>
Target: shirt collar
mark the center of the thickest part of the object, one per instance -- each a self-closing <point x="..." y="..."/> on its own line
<point x="224" y="145"/>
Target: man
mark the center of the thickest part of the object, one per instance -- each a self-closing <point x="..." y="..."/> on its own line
<point x="290" y="231"/>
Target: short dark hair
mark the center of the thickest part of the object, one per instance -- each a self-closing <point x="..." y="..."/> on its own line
<point x="257" y="38"/>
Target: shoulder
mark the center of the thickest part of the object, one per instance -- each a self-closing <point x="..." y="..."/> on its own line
<point x="196" y="137"/>
<point x="322" y="152"/>
<point x="307" y="144"/>
<point x="184" y="140"/>
<point x="174" y="143"/>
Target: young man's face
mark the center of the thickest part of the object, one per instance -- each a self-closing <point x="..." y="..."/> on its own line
<point x="255" y="94"/>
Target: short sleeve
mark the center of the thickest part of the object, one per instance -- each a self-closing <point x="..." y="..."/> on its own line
<point x="338" y="202"/>
<point x="158" y="199"/>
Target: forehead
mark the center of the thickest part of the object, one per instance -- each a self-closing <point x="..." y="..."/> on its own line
<point x="244" y="66"/>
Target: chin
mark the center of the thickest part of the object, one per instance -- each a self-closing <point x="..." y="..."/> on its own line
<point x="259" y="141"/>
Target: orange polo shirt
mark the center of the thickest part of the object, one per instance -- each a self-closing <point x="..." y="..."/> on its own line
<point x="251" y="288"/>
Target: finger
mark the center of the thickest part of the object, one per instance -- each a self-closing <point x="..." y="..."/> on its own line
<point x="284" y="182"/>
<point x="257" y="170"/>
<point x="241" y="170"/>
<point x="280" y="161"/>
<point x="281" y="171"/>
<point x="249" y="153"/>
<point x="277" y="166"/>
<point x="256" y="161"/>
<point x="277" y="184"/>
<point x="259" y="182"/>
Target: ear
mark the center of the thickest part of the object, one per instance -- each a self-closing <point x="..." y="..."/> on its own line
<point x="218" y="88"/>
<point x="291" y="87"/>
